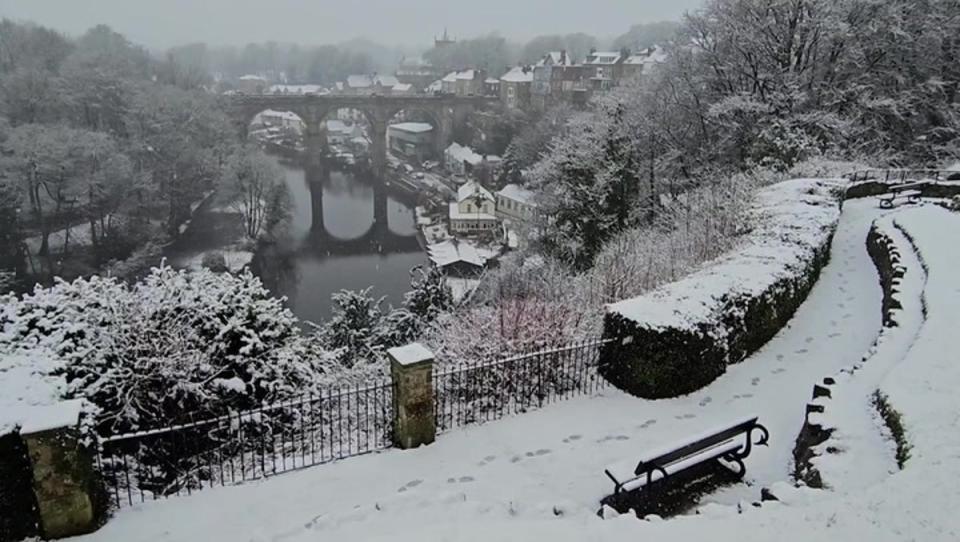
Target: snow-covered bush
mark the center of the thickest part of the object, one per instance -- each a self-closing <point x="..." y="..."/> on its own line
<point x="177" y="343"/>
<point x="681" y="336"/>
<point x="693" y="227"/>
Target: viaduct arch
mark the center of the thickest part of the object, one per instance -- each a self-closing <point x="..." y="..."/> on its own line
<point x="447" y="111"/>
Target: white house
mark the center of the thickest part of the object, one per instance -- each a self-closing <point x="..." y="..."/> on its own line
<point x="515" y="203"/>
<point x="474" y="211"/>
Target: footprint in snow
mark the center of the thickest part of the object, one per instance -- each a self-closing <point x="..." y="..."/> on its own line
<point x="451" y="480"/>
<point x="515" y="459"/>
<point x="833" y="323"/>
<point x="466" y="479"/>
<point x="647" y="424"/>
<point x="808" y="340"/>
<point x="755" y="381"/>
<point x="746" y="396"/>
<point x="802" y="351"/>
<point x="686" y="417"/>
<point x="834" y="335"/>
<point x="841" y="305"/>
<point x="780" y="357"/>
<point x="572" y="438"/>
<point x="542" y="451"/>
<point x="706" y="401"/>
<point x="847" y="316"/>
<point x="778" y="371"/>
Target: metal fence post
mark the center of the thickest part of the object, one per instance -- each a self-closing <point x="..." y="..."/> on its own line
<point x="411" y="368"/>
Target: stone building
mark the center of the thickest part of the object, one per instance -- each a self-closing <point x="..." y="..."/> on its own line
<point x="474" y="211"/>
<point x="515" y="87"/>
<point x="411" y="140"/>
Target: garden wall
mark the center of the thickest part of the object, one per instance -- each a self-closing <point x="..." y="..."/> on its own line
<point x="680" y="337"/>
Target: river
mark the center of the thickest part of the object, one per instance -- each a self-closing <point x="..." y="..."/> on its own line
<point x="346" y="232"/>
<point x="343" y="235"/>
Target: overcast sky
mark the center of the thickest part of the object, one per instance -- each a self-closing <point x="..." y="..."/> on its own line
<point x="162" y="23"/>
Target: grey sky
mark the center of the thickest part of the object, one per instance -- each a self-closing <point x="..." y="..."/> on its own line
<point x="162" y="23"/>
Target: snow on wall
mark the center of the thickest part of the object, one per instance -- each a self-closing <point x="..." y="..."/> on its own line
<point x="681" y="336"/>
<point x="839" y="443"/>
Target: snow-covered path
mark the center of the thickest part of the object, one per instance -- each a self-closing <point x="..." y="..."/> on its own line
<point x="548" y="463"/>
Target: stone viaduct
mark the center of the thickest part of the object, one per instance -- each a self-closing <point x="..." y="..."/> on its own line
<point x="446" y="112"/>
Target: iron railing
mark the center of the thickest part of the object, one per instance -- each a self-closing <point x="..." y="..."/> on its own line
<point x="315" y="429"/>
<point x="246" y="445"/>
<point x="488" y="391"/>
<point x="903" y="175"/>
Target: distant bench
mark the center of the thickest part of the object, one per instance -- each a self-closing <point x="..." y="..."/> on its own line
<point x="906" y="191"/>
<point x="731" y="442"/>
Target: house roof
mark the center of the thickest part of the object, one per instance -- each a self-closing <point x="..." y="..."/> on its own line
<point x="359" y="81"/>
<point x="412" y="127"/>
<point x="556" y="58"/>
<point x="402" y="87"/>
<point x="603" y="57"/>
<point x="519" y="74"/>
<point x="251" y="77"/>
<point x="517" y="193"/>
<point x="473" y="189"/>
<point x="298" y="89"/>
<point x="492" y="81"/>
<point x="457" y="214"/>
<point x="653" y="55"/>
<point x="454" y="251"/>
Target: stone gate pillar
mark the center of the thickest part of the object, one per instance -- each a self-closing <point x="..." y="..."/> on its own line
<point x="411" y="368"/>
<point x="63" y="475"/>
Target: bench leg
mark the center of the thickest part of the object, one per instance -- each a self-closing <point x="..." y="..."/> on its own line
<point x="738" y="461"/>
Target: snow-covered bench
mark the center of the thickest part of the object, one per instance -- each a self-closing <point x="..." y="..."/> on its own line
<point x="907" y="191"/>
<point x="731" y="442"/>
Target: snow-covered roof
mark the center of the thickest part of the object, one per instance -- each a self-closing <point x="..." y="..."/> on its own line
<point x="473" y="190"/>
<point x="603" y="57"/>
<point x="359" y="81"/>
<point x="491" y="81"/>
<point x="435" y="86"/>
<point x="653" y="55"/>
<point x="412" y="127"/>
<point x="335" y="125"/>
<point x="461" y="153"/>
<point x="285" y="115"/>
<point x="555" y="58"/>
<point x="251" y="77"/>
<point x="402" y="87"/>
<point x="453" y="251"/>
<point x="517" y="193"/>
<point x="519" y="74"/>
<point x="298" y="89"/>
<point x="464" y="75"/>
<point x="386" y="80"/>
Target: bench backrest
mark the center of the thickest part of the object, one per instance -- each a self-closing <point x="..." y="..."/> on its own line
<point x="694" y="446"/>
<point x="905" y="186"/>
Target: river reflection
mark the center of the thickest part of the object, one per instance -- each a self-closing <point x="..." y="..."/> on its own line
<point x="344" y="234"/>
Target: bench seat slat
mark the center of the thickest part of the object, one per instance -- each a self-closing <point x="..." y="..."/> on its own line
<point x="708" y="454"/>
<point x="664" y="450"/>
<point x="623" y="472"/>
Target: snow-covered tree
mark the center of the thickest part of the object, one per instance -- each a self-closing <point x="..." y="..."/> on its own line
<point x="173" y="345"/>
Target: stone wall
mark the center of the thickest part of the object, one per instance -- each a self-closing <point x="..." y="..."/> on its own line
<point x="681" y="337"/>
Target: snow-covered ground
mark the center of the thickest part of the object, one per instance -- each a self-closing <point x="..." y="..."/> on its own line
<point x="540" y="475"/>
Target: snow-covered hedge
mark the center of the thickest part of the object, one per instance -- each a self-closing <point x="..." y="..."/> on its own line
<point x="929" y="189"/>
<point x="681" y="336"/>
<point x="175" y="343"/>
